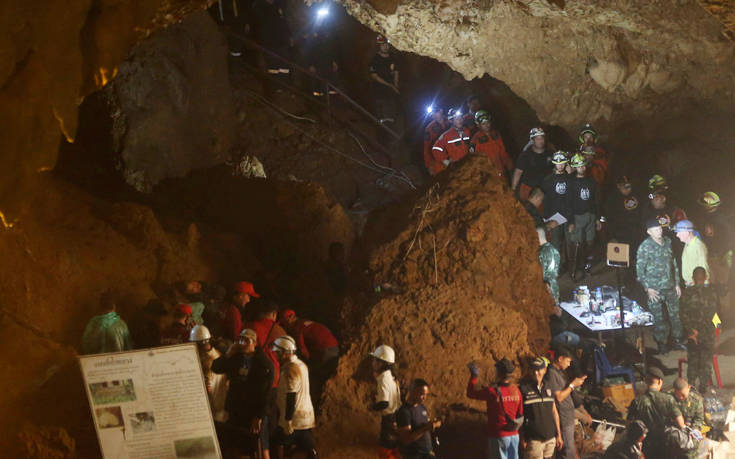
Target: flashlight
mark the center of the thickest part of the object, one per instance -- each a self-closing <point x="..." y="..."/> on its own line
<point x="429" y="109"/>
<point x="322" y="12"/>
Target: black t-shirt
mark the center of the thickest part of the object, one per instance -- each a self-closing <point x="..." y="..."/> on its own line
<point x="538" y="411"/>
<point x="384" y="66"/>
<point x="584" y="195"/>
<point x="415" y="417"/>
<point x="556" y="194"/>
<point x="623" y="214"/>
<point x="535" y="166"/>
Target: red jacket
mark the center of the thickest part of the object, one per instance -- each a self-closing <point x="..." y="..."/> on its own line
<point x="452" y="145"/>
<point x="313" y="339"/>
<point x="231" y="322"/>
<point x="268" y="330"/>
<point x="432" y="132"/>
<point x="491" y="145"/>
<point x="512" y="403"/>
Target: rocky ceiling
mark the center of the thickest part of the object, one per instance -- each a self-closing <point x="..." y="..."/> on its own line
<point x="574" y="60"/>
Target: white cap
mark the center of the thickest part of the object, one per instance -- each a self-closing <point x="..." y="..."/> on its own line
<point x="384" y="353"/>
<point x="199" y="333"/>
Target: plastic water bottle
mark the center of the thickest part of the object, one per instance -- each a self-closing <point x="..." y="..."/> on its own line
<point x="635" y="308"/>
<point x="598" y="295"/>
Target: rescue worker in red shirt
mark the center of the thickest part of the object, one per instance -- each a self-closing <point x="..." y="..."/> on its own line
<point x="317" y="346"/>
<point x="454" y="143"/>
<point x="232" y="313"/>
<point x="178" y="331"/>
<point x="504" y="409"/>
<point x="266" y="326"/>
<point x="487" y="141"/>
<point x="434" y="129"/>
<point x="597" y="157"/>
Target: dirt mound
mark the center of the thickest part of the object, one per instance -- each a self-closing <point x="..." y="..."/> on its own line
<point x="463" y="258"/>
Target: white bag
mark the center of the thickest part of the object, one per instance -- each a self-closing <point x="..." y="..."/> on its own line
<point x="604" y="435"/>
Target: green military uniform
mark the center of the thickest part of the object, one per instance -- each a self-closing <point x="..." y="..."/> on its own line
<point x="657" y="411"/>
<point x="657" y="269"/>
<point x="550" y="260"/>
<point x="692" y="408"/>
<point x="698" y="305"/>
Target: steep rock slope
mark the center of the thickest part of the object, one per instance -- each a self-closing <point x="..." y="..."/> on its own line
<point x="462" y="263"/>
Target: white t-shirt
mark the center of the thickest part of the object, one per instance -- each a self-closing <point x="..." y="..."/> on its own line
<point x="388" y="391"/>
<point x="295" y="378"/>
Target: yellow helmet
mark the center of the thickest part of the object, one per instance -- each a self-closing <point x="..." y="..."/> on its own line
<point x="710" y="201"/>
<point x="578" y="160"/>
<point x="657" y="181"/>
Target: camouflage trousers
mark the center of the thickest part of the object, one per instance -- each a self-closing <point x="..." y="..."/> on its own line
<point x="554" y="289"/>
<point x="669" y="297"/>
<point x="699" y="361"/>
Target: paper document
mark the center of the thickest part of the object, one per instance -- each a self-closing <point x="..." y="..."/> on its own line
<point x="557" y="217"/>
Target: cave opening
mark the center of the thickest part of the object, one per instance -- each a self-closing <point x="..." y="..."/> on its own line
<point x="186" y="164"/>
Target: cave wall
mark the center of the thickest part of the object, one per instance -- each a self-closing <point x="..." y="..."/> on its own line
<point x="54" y="54"/>
<point x="572" y="61"/>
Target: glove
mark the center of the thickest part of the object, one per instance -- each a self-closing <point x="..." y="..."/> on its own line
<point x="288" y="430"/>
<point x="446" y="162"/>
<point x="474" y="371"/>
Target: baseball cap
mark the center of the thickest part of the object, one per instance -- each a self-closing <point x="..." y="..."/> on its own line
<point x="184" y="309"/>
<point x="655" y="372"/>
<point x="538" y="363"/>
<point x="652" y="223"/>
<point x="246" y="287"/>
<point x="683" y="225"/>
<point x="286" y="314"/>
<point x="505" y="366"/>
<point x="250" y="334"/>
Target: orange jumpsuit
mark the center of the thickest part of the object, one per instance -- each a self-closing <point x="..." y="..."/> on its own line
<point x="491" y="145"/>
<point x="453" y="145"/>
<point x="432" y="132"/>
<point x="598" y="167"/>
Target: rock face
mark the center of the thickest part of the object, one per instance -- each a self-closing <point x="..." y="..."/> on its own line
<point x="171" y="103"/>
<point x="465" y="256"/>
<point x="53" y="56"/>
<point x="574" y="60"/>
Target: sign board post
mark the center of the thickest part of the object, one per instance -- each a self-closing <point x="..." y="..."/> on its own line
<point x="150" y="403"/>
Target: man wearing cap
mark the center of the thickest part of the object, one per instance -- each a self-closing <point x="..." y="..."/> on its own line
<point x="487" y="141"/>
<point x="556" y="187"/>
<point x="533" y="164"/>
<point x="660" y="209"/>
<point x="387" y="400"/>
<point x="453" y="144"/>
<point x="384" y="75"/>
<point x="296" y="412"/>
<point x="656" y="410"/>
<point x="694" y="253"/>
<point x="561" y="389"/>
<point x="232" y="314"/>
<point x="691" y="406"/>
<point x="504" y="409"/>
<point x="178" y="331"/>
<point x="597" y="157"/>
<point x="658" y="274"/>
<point x="623" y="215"/>
<point x="630" y="445"/>
<point x="541" y="431"/>
<point x="699" y="304"/>
<point x="438" y="125"/>
<point x="251" y="375"/>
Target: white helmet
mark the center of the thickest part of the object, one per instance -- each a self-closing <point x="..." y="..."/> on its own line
<point x="199" y="333"/>
<point x="285" y="344"/>
<point x="385" y="353"/>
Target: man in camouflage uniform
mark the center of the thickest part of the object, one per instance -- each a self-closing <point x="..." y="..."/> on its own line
<point x="550" y="260"/>
<point x="658" y="273"/>
<point x="691" y="406"/>
<point x="656" y="410"/>
<point x="698" y="305"/>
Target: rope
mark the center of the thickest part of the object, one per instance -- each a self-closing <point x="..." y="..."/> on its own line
<point x="274" y="107"/>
